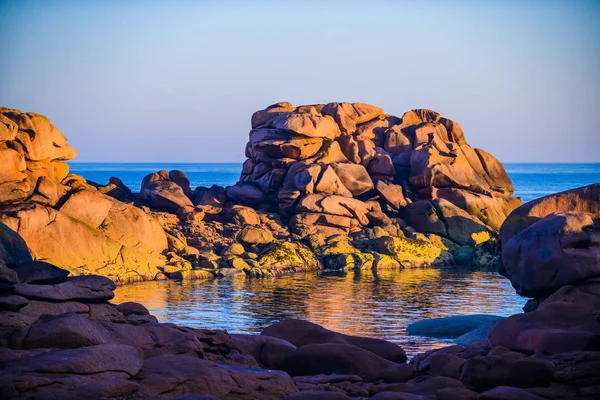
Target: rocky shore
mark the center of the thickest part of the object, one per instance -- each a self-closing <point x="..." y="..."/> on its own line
<point x="338" y="186"/>
<point x="61" y="338"/>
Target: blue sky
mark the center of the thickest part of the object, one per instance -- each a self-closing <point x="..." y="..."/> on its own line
<point x="179" y="80"/>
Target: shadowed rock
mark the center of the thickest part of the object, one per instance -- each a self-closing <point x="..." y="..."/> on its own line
<point x="584" y="199"/>
<point x="557" y="250"/>
<point x="510" y="369"/>
<point x="13" y="249"/>
<point x="268" y="351"/>
<point x="301" y="333"/>
<point x="329" y="358"/>
<point x="177" y="375"/>
<point x="40" y="272"/>
<point x="55" y="371"/>
<point x="85" y="288"/>
<point x="557" y="328"/>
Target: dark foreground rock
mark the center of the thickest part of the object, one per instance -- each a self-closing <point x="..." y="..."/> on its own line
<point x="60" y="338"/>
<point x="178" y="375"/>
<point x="334" y="358"/>
<point x="302" y="333"/>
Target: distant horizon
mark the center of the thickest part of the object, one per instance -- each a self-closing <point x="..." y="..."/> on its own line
<point x="241" y="162"/>
<point x="530" y="180"/>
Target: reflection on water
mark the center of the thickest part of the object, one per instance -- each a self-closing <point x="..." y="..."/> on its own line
<point x="376" y="305"/>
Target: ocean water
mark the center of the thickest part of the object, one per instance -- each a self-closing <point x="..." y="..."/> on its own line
<point x="378" y="305"/>
<point x="530" y="180"/>
<point x="199" y="174"/>
<point x="537" y="180"/>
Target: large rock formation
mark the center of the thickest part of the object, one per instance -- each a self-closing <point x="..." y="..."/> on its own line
<point x="362" y="188"/>
<point x="32" y="158"/>
<point x="418" y="167"/>
<point x="338" y="186"/>
<point x="550" y="251"/>
<point x="62" y="218"/>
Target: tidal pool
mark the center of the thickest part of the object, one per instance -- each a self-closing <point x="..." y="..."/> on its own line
<point x="377" y="305"/>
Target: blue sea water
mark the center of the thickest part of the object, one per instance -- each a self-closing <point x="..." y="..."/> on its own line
<point x="199" y="174"/>
<point x="530" y="180"/>
<point x="376" y="304"/>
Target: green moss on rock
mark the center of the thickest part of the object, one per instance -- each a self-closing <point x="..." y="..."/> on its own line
<point x="411" y="252"/>
<point x="288" y="257"/>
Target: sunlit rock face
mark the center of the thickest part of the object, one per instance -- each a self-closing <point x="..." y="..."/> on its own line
<point x="339" y="186"/>
<point x="64" y="219"/>
<point x="417" y="169"/>
<point x="32" y="155"/>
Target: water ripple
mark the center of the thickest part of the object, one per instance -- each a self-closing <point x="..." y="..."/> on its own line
<point x="374" y="305"/>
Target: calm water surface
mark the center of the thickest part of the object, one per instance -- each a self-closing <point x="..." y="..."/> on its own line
<point x="360" y="304"/>
<point x="375" y="305"/>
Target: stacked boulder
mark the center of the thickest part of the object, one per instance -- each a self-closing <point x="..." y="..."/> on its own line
<point x="338" y="167"/>
<point x="551" y="253"/>
<point x="337" y="186"/>
<point x="65" y="220"/>
<point x="32" y="158"/>
<point x="164" y="191"/>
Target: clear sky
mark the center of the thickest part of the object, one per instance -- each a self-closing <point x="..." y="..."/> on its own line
<point x="178" y="80"/>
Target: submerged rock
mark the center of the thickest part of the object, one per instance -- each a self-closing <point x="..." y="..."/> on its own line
<point x="450" y="327"/>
